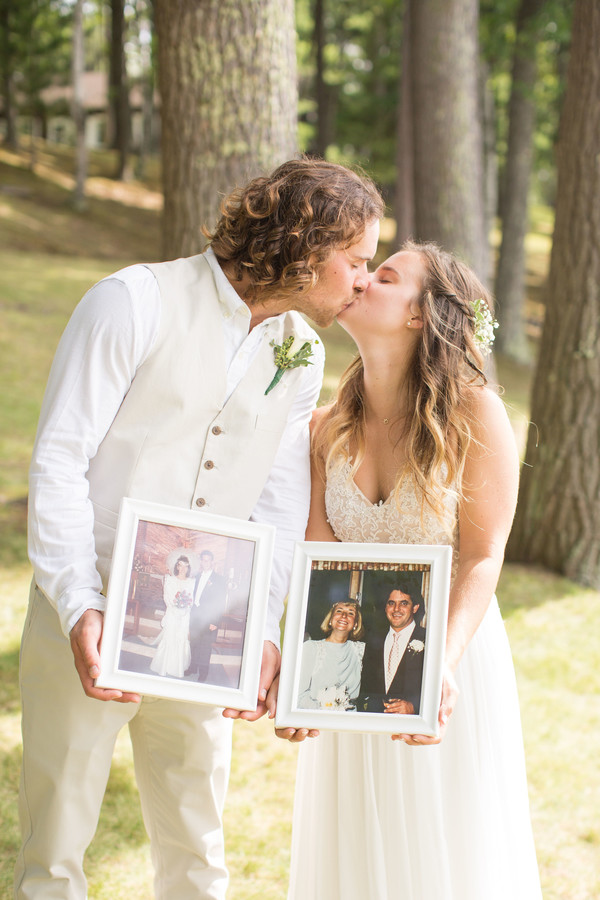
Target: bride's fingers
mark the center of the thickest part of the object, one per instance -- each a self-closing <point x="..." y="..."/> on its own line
<point x="295" y="735"/>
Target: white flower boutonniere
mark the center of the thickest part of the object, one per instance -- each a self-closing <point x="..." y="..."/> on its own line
<point x="286" y="359"/>
<point x="416" y="646"/>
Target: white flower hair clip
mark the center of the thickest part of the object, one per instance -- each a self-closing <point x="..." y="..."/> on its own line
<point x="485" y="325"/>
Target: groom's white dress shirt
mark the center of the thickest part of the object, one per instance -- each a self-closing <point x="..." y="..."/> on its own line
<point x="402" y="639"/>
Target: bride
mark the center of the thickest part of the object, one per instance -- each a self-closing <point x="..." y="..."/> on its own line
<point x="173" y="652"/>
<point x="416" y="449"/>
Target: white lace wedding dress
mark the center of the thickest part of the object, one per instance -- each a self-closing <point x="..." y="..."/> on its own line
<point x="375" y="819"/>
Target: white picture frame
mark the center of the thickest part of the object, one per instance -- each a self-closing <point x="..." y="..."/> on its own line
<point x="326" y="573"/>
<point x="152" y="592"/>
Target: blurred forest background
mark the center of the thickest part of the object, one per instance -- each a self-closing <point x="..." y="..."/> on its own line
<point x="122" y="124"/>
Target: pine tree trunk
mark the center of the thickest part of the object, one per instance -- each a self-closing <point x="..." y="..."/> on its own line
<point x="558" y="516"/>
<point x="118" y="91"/>
<point x="227" y="77"/>
<point x="78" y="111"/>
<point x="404" y="195"/>
<point x="448" y="143"/>
<point x="11" y="137"/>
<point x="323" y="133"/>
<point x="510" y="280"/>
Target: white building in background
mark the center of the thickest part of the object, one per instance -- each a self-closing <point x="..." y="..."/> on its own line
<point x="58" y="127"/>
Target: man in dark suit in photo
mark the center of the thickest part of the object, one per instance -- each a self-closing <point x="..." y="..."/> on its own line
<point x="206" y="614"/>
<point x="392" y="671"/>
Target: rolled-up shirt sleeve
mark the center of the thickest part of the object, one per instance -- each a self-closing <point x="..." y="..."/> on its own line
<point x="285" y="498"/>
<point x="107" y="338"/>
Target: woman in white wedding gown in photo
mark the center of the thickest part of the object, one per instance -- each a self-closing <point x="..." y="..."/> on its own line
<point x="173" y="652"/>
<point x="416" y="449"/>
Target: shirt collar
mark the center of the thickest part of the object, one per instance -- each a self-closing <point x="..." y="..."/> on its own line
<point x="408" y="630"/>
<point x="230" y="300"/>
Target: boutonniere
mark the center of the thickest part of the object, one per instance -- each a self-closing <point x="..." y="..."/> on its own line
<point x="416" y="646"/>
<point x="285" y="359"/>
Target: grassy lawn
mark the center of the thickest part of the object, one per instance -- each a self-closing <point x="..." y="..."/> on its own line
<point x="49" y="257"/>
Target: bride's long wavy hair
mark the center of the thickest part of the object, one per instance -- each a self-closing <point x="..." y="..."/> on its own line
<point x="447" y="363"/>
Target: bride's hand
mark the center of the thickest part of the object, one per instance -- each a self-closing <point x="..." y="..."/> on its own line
<point x="296" y="735"/>
<point x="450" y="694"/>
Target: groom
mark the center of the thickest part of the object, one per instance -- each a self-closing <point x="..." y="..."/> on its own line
<point x="206" y="613"/>
<point x="158" y="391"/>
<point x="392" y="671"/>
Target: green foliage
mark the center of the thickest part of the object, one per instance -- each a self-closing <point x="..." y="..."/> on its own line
<point x="362" y="56"/>
<point x="34" y="42"/>
<point x="548" y="36"/>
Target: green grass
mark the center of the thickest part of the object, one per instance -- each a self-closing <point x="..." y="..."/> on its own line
<point x="49" y="257"/>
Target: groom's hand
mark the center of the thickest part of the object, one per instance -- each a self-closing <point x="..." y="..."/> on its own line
<point x="85" y="637"/>
<point x="269" y="670"/>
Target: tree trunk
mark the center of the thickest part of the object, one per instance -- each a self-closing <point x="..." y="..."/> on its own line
<point x="490" y="153"/>
<point x="558" y="516"/>
<point x="323" y="134"/>
<point x="227" y="76"/>
<point x="78" y="112"/>
<point x="11" y="138"/>
<point x="447" y="129"/>
<point x="119" y="91"/>
<point x="510" y="282"/>
<point x="404" y="197"/>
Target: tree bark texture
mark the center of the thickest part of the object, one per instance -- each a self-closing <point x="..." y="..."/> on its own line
<point x="448" y="145"/>
<point x="78" y="112"/>
<point x="227" y="78"/>
<point x="404" y="195"/>
<point x="558" y="516"/>
<point x="119" y="89"/>
<point x="510" y="280"/>
<point x="11" y="138"/>
<point x="323" y="135"/>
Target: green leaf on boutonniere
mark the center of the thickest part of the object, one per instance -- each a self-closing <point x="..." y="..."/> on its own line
<point x="284" y="359"/>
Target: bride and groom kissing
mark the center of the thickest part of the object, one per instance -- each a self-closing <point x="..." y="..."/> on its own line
<point x="160" y="390"/>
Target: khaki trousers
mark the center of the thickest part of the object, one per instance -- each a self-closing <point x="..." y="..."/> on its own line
<point x="182" y="755"/>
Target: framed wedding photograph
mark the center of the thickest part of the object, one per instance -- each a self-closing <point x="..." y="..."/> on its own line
<point x="186" y="605"/>
<point x="364" y="638"/>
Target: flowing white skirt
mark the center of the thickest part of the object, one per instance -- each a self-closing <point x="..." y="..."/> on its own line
<point x="375" y="819"/>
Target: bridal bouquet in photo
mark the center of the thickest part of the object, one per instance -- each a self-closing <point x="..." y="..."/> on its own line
<point x="183" y="600"/>
<point x="334" y="697"/>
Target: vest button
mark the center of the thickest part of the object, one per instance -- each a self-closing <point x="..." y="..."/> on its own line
<point x="209" y="464"/>
<point x="200" y="501"/>
<point x="216" y="429"/>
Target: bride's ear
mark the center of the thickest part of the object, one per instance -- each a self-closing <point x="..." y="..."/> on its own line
<point x="415" y="322"/>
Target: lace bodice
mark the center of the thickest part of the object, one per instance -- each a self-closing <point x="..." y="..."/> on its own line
<point x="354" y="518"/>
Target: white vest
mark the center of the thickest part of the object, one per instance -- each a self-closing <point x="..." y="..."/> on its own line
<point x="174" y="439"/>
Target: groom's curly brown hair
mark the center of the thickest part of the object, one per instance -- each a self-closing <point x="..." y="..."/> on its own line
<point x="281" y="228"/>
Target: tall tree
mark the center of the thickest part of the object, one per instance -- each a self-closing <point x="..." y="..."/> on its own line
<point x="510" y="279"/>
<point x="448" y="145"/>
<point x="404" y="193"/>
<point x="324" y="122"/>
<point x="118" y="89"/>
<point x="558" y="516"/>
<point x="227" y="79"/>
<point x="78" y="111"/>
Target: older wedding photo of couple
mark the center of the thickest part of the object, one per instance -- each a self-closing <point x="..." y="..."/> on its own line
<point x="299" y="482"/>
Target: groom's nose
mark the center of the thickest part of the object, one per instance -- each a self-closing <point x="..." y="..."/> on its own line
<point x="361" y="283"/>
